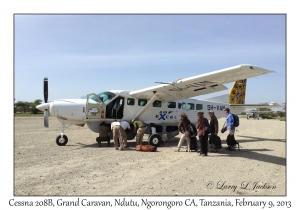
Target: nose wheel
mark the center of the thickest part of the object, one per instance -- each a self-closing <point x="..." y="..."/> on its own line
<point x="61" y="140"/>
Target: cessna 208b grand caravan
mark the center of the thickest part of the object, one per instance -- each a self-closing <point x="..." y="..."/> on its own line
<point x="159" y="106"/>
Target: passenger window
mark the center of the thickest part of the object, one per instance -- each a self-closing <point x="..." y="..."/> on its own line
<point x="199" y="107"/>
<point x="190" y="106"/>
<point x="142" y="102"/>
<point x="172" y="105"/>
<point x="183" y="106"/>
<point x="130" y="101"/>
<point x="157" y="103"/>
<point x="179" y="105"/>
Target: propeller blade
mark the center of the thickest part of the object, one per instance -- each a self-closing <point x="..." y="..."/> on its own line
<point x="45" y="89"/>
<point x="46" y="123"/>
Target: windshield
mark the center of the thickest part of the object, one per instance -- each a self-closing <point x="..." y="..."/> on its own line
<point x="106" y="96"/>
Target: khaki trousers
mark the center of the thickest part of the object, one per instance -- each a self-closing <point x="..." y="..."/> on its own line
<point x="124" y="136"/>
<point x="117" y="136"/>
<point x="139" y="135"/>
<point x="184" y="136"/>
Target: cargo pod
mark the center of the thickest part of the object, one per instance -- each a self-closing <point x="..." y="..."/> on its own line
<point x="95" y="108"/>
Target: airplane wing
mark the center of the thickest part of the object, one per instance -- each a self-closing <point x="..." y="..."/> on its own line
<point x="259" y="112"/>
<point x="201" y="84"/>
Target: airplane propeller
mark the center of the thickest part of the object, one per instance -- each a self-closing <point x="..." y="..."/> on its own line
<point x="46" y="122"/>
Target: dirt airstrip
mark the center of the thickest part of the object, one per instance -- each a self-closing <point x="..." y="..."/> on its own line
<point x="82" y="168"/>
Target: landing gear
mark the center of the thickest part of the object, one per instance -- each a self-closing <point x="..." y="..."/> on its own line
<point x="61" y="140"/>
<point x="155" y="140"/>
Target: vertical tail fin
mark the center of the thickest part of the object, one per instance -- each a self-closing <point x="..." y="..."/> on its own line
<point x="237" y="93"/>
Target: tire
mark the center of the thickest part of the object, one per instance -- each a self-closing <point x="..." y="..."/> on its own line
<point x="61" y="141"/>
<point x="155" y="140"/>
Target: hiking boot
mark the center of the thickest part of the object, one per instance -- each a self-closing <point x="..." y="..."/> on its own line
<point x="116" y="148"/>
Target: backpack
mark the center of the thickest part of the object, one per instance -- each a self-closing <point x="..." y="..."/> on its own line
<point x="231" y="141"/>
<point x="192" y="130"/>
<point x="236" y="120"/>
<point x="215" y="140"/>
<point x="218" y="142"/>
<point x="206" y="126"/>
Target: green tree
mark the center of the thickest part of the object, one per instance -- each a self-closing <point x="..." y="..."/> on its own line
<point x="280" y="114"/>
<point x="27" y="107"/>
<point x="21" y="106"/>
<point x="266" y="115"/>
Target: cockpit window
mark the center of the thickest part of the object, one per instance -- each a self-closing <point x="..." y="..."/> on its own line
<point x="106" y="97"/>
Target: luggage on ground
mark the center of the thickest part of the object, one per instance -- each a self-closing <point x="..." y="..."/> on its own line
<point x="193" y="142"/>
<point x="146" y="148"/>
<point x="231" y="141"/>
<point x="216" y="140"/>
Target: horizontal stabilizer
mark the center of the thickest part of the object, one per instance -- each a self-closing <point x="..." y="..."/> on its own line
<point x="263" y="105"/>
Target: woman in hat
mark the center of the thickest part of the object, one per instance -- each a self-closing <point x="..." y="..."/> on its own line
<point x="183" y="127"/>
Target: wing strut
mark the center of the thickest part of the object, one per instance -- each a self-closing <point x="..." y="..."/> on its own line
<point x="147" y="105"/>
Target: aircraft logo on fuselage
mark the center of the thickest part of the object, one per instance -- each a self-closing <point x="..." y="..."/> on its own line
<point x="165" y="115"/>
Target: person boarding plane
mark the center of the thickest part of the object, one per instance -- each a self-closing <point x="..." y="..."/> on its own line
<point x="159" y="107"/>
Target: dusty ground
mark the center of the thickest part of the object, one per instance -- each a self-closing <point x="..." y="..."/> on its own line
<point x="82" y="168"/>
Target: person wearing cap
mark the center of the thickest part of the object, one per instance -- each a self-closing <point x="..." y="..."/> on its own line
<point x="140" y="129"/>
<point x="230" y="126"/>
<point x="214" y="126"/>
<point x="183" y="127"/>
<point x="203" y="136"/>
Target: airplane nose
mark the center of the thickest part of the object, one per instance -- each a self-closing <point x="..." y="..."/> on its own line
<point x="43" y="106"/>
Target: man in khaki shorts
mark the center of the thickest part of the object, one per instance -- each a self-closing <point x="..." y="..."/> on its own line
<point x="141" y="129"/>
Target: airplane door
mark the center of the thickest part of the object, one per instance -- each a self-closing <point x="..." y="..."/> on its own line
<point x="95" y="108"/>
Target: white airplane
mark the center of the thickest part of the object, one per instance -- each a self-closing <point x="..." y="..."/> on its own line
<point x="159" y="106"/>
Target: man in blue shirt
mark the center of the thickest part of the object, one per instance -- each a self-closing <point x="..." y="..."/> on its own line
<point x="230" y="127"/>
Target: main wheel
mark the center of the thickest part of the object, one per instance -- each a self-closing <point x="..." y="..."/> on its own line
<point x="61" y="141"/>
<point x="155" y="140"/>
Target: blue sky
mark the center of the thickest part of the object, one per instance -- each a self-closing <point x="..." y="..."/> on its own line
<point x="83" y="54"/>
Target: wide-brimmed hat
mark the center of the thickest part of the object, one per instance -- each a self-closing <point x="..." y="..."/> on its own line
<point x="183" y="114"/>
